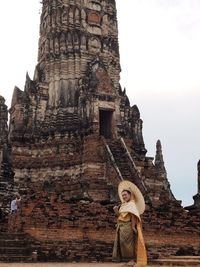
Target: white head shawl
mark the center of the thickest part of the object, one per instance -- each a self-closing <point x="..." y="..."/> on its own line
<point x="130" y="207"/>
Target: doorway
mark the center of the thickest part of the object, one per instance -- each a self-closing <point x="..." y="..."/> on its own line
<point x="105" y="123"/>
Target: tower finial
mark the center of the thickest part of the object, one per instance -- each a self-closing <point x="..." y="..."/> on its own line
<point x="159" y="161"/>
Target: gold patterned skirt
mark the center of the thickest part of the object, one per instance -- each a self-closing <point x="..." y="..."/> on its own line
<point x="125" y="242"/>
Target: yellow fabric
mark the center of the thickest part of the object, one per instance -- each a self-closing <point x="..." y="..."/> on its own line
<point x="124" y="245"/>
<point x="124" y="217"/>
<point x="141" y="249"/>
<point x="136" y="244"/>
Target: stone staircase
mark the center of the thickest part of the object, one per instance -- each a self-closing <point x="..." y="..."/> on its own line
<point x="16" y="247"/>
<point x="124" y="162"/>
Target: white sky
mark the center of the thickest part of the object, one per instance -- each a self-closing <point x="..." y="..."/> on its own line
<point x="160" y="60"/>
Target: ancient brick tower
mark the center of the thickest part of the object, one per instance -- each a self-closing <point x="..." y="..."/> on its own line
<point x="77" y="73"/>
<point x="74" y="136"/>
<point x="75" y="91"/>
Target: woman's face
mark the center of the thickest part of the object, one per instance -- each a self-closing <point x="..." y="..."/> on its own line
<point x="126" y="196"/>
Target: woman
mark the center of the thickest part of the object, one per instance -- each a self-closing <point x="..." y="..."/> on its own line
<point x="129" y="242"/>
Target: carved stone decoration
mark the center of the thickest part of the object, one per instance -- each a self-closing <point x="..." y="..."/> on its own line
<point x="56" y="46"/>
<point x="63" y="48"/>
<point x="64" y="16"/>
<point x="46" y="49"/>
<point x="69" y="42"/>
<point x="76" y="42"/>
<point x="71" y="16"/>
<point x="58" y="17"/>
<point x="94" y="45"/>
<point x="94" y="18"/>
<point x="83" y="42"/>
<point x="64" y="2"/>
<point x="77" y="16"/>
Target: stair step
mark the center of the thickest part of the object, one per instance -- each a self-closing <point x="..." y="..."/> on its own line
<point x="12" y="236"/>
<point x="15" y="258"/>
<point x="14" y="250"/>
<point x="185" y="257"/>
<point x="15" y="247"/>
<point x="121" y="159"/>
<point x="176" y="262"/>
<point x="14" y="243"/>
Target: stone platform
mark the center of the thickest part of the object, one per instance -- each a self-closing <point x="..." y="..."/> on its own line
<point x="77" y="265"/>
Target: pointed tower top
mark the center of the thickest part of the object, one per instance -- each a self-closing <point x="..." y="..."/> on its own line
<point x="159" y="162"/>
<point x="136" y="112"/>
<point x="2" y="99"/>
<point x="158" y="145"/>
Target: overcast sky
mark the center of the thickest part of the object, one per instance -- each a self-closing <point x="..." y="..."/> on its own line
<point x="160" y="60"/>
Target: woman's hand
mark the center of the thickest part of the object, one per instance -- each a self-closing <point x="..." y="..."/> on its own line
<point x="134" y="223"/>
<point x="116" y="209"/>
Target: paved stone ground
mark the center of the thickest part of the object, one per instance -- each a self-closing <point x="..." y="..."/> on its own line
<point x="70" y="265"/>
<point x="61" y="265"/>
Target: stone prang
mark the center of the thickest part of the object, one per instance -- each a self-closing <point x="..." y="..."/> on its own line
<point x="74" y="136"/>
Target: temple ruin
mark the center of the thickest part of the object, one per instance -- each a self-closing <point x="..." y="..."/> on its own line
<point x="73" y="135"/>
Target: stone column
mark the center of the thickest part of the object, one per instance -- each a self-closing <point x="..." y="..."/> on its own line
<point x="197" y="196"/>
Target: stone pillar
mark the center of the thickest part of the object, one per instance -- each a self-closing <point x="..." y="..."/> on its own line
<point x="197" y="196"/>
<point x="162" y="185"/>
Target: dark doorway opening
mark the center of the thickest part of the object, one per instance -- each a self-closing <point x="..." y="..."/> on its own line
<point x="105" y="123"/>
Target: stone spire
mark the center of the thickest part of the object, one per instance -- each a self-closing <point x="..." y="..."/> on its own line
<point x="162" y="190"/>
<point x="3" y="121"/>
<point x="197" y="196"/>
<point x="196" y="205"/>
<point x="72" y="35"/>
<point x="159" y="161"/>
<point x="5" y="165"/>
<point x="78" y="65"/>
